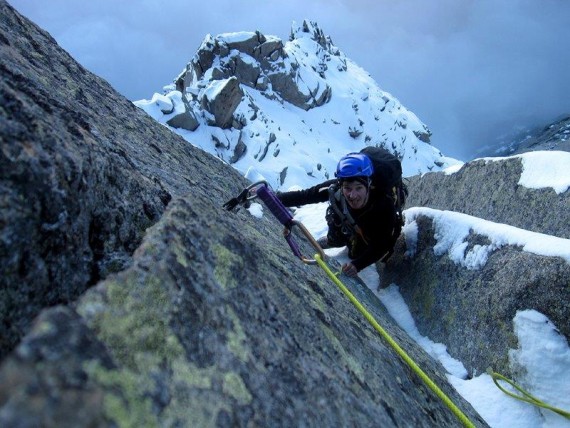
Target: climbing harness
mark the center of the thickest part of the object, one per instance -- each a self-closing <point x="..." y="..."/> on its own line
<point x="262" y="191"/>
<point x="525" y="396"/>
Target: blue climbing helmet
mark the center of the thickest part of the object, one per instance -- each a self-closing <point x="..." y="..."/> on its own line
<point x="356" y="166"/>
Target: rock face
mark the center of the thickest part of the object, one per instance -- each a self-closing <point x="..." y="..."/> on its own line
<point x="223" y="104"/>
<point x="471" y="310"/>
<point x="83" y="173"/>
<point x="491" y="190"/>
<point x="202" y="331"/>
<point x="159" y="308"/>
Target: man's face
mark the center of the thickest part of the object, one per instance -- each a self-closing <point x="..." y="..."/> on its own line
<point x="355" y="193"/>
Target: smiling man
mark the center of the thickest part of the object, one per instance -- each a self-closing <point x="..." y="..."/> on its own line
<point x="365" y="206"/>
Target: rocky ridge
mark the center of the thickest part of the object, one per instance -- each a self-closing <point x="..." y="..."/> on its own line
<point x="553" y="136"/>
<point x="491" y="189"/>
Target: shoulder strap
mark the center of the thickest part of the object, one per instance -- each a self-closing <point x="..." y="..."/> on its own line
<point x="338" y="205"/>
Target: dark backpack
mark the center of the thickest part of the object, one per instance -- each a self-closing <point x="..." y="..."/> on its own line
<point x="387" y="177"/>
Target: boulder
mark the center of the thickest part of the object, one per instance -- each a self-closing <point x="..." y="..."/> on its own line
<point x="269" y="50"/>
<point x="221" y="99"/>
<point x="186" y="120"/>
<point x="247" y="44"/>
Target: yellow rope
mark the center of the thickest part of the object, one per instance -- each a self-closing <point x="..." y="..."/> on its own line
<point x="526" y="397"/>
<point x="430" y="383"/>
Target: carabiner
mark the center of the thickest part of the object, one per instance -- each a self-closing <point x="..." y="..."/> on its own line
<point x="295" y="247"/>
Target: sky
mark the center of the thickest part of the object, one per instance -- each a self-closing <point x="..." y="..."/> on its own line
<point x="471" y="70"/>
<point x="542" y="352"/>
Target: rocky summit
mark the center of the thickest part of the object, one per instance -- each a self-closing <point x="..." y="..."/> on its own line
<point x="287" y="109"/>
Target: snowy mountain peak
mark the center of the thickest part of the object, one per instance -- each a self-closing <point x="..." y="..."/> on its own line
<point x="248" y="98"/>
<point x="311" y="30"/>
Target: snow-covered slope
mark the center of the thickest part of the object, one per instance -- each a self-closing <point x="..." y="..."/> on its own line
<point x="303" y="97"/>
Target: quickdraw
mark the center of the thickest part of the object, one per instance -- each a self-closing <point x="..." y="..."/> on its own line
<point x="263" y="191"/>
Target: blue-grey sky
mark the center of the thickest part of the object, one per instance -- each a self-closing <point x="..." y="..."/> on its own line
<point x="471" y="70"/>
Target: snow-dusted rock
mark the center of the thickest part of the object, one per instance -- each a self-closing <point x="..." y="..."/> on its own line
<point x="529" y="191"/>
<point x="317" y="103"/>
<point x="464" y="283"/>
<point x="221" y="98"/>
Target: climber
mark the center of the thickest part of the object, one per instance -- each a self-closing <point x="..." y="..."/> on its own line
<point x="365" y="206"/>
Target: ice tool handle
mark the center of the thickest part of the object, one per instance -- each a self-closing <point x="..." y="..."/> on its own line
<point x="282" y="214"/>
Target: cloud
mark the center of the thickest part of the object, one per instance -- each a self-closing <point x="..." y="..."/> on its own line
<point x="471" y="70"/>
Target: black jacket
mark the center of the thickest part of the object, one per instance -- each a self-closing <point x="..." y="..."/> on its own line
<point x="378" y="222"/>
